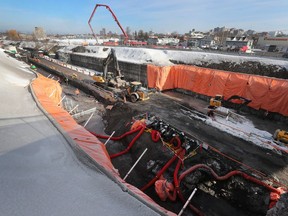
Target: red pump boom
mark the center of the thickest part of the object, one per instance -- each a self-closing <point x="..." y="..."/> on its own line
<point x="115" y="18"/>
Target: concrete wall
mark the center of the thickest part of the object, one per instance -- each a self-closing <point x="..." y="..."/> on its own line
<point x="131" y="71"/>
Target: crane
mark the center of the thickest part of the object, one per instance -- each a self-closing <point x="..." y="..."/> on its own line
<point x="113" y="15"/>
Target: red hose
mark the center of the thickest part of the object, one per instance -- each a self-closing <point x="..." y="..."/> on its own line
<point x="167" y="165"/>
<point x="225" y="177"/>
<point x="142" y="129"/>
<point x="177" y="139"/>
<point x="177" y="188"/>
<point x="155" y="135"/>
<point x="116" y="138"/>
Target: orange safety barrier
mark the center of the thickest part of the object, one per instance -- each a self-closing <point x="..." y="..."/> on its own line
<point x="48" y="93"/>
<point x="266" y="93"/>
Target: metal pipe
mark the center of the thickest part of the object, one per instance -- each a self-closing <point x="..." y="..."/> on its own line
<point x="187" y="202"/>
<point x="109" y="138"/>
<point x="135" y="164"/>
<point x="88" y="119"/>
<point x="73" y="109"/>
<point x="52" y="93"/>
<point x="61" y="100"/>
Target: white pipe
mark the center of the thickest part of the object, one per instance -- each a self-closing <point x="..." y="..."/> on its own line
<point x="88" y="119"/>
<point x="187" y="202"/>
<point x="135" y="163"/>
<point x="61" y="100"/>
<point x="52" y="93"/>
<point x="73" y="109"/>
<point x="109" y="138"/>
<point x="49" y="75"/>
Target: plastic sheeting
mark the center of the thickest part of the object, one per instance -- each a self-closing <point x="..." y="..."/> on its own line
<point x="48" y="93"/>
<point x="266" y="93"/>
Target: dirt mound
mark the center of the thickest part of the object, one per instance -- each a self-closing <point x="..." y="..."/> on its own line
<point x="247" y="67"/>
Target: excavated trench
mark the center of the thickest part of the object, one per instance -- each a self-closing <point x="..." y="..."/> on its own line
<point x="223" y="196"/>
<point x="232" y="195"/>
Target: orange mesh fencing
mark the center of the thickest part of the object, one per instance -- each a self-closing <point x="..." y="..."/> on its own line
<point x="265" y="92"/>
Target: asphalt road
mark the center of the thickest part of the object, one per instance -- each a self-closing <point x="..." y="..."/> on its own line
<point x="39" y="172"/>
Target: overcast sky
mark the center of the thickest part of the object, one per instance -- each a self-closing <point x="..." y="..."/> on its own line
<point x="165" y="16"/>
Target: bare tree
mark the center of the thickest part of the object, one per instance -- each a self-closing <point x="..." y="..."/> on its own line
<point x="13" y="35"/>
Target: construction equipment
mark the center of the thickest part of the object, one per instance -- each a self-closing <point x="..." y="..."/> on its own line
<point x="136" y="92"/>
<point x="219" y="101"/>
<point x="216" y="101"/>
<point x="114" y="17"/>
<point x="281" y="135"/>
<point x="114" y="81"/>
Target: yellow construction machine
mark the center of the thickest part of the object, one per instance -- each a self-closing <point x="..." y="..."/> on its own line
<point x="281" y="135"/>
<point x="216" y="101"/>
<point x="112" y="79"/>
<point x="115" y="82"/>
<point x="135" y="92"/>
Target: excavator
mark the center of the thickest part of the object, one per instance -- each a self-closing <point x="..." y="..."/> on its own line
<point x="218" y="101"/>
<point x="115" y="82"/>
<point x="218" y="106"/>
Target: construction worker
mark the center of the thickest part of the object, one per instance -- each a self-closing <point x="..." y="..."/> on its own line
<point x="210" y="113"/>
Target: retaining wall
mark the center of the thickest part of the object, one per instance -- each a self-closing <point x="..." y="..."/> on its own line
<point x="131" y="71"/>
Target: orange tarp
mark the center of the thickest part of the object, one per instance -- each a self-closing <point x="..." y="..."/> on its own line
<point x="265" y="92"/>
<point x="235" y="84"/>
<point x="256" y="90"/>
<point x="48" y="93"/>
<point x="43" y="89"/>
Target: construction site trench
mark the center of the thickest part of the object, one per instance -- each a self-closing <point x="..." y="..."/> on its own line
<point x="218" y="155"/>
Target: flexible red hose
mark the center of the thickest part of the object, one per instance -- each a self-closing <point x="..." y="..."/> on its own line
<point x="117" y="138"/>
<point x="225" y="177"/>
<point x="142" y="129"/>
<point x="155" y="135"/>
<point x="177" y="140"/>
<point x="167" y="165"/>
<point x="177" y="188"/>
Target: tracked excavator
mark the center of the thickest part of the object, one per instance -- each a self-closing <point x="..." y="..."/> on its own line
<point x="219" y="106"/>
<point x="218" y="101"/>
<point x="114" y="81"/>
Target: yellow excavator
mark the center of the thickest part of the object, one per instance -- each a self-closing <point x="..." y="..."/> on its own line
<point x="114" y="81"/>
<point x="218" y="101"/>
<point x="282" y="136"/>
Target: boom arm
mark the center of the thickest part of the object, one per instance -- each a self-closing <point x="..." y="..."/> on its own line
<point x="113" y="15"/>
<point x="111" y="57"/>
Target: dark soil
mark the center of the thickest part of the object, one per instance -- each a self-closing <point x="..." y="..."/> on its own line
<point x="247" y="67"/>
<point x="235" y="196"/>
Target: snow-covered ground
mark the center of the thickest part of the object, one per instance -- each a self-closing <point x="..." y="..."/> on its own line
<point x="163" y="57"/>
<point x="242" y="128"/>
